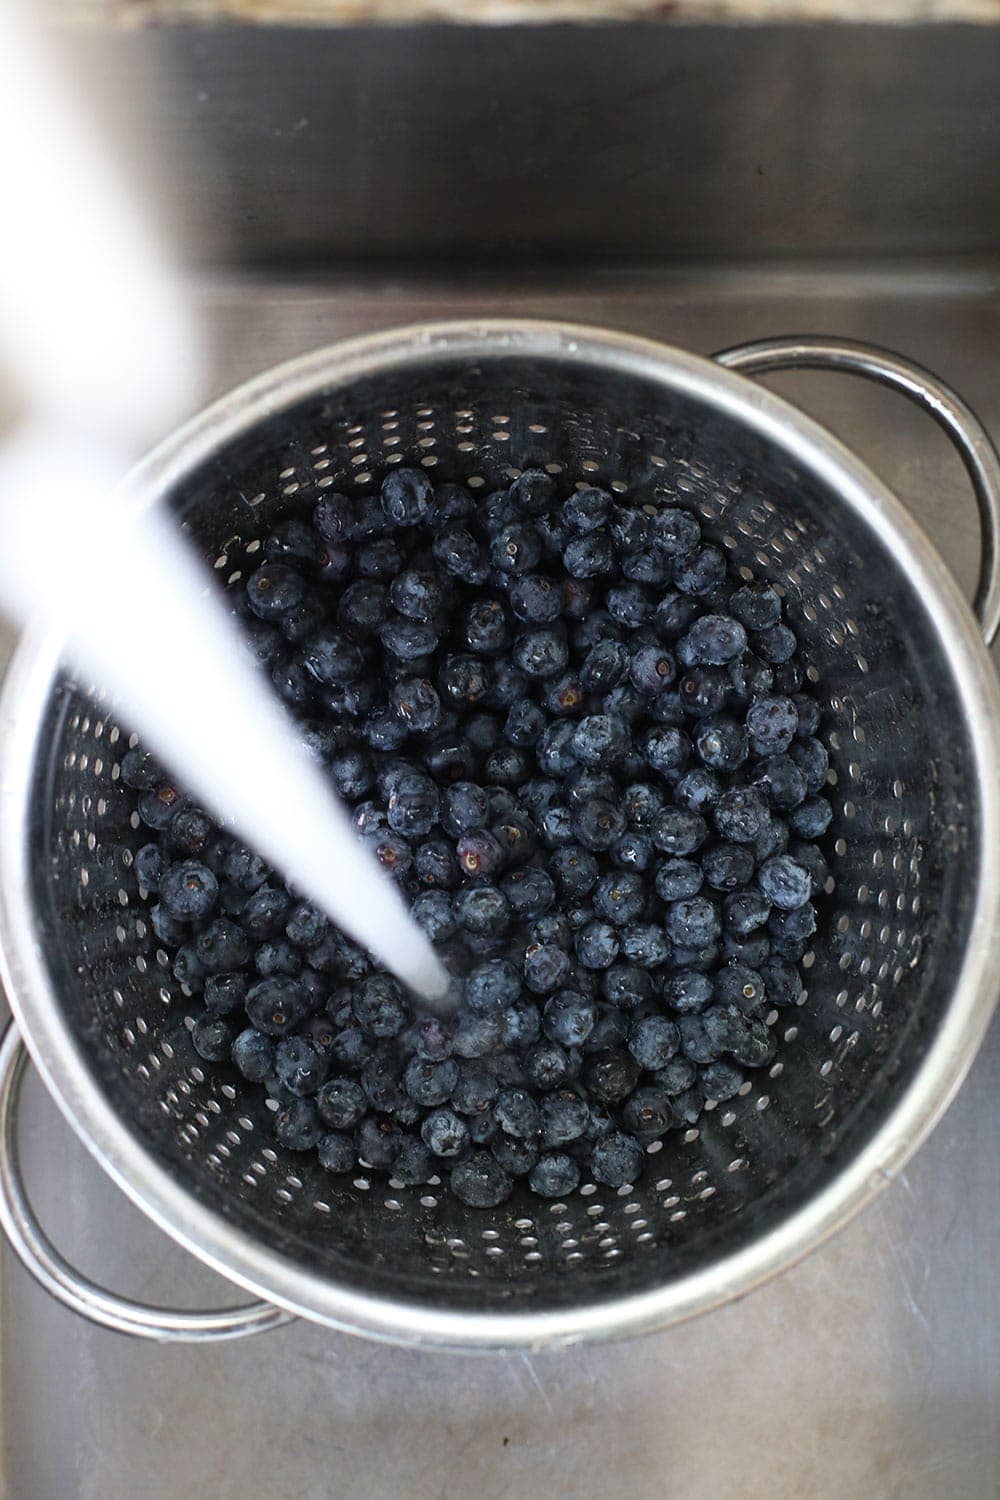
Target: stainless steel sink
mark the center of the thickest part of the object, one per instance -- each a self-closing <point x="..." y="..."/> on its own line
<point x="873" y="1368"/>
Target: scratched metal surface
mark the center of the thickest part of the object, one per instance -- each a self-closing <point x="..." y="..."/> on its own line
<point x="870" y="1370"/>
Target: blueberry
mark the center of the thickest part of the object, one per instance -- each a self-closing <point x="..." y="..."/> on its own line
<point x="516" y="548"/>
<point x="480" y="855"/>
<point x="569" y="1018"/>
<point x="330" y="656"/>
<point x="648" y="1114"/>
<point x="676" y="531"/>
<point x="521" y="1026"/>
<point x="616" y="1160"/>
<point x="688" y="991"/>
<point x="619" y="898"/>
<point x="811" y="759"/>
<point x="736" y="984"/>
<point x="341" y="1103"/>
<point x="464" y="681"/>
<point x="265" y="912"/>
<point x="597" y="823"/>
<point x="432" y="912"/>
<point x="740" y="815"/>
<point x="703" y="691"/>
<point x="589" y="556"/>
<point x="698" y="790"/>
<point x="721" y="744"/>
<point x="546" y="1065"/>
<point x="546" y="968"/>
<point x="605" y="665"/>
<point x="464" y="805"/>
<point x="700" y="570"/>
<point x="812" y="818"/>
<point x="276" y="1005"/>
<point x="351" y="1048"/>
<point x="665" y="749"/>
<point x="456" y="550"/>
<point x="727" y="866"/>
<point x="652" y="668"/>
<point x="477" y="1035"/>
<point x="597" y="945"/>
<point x="336" y="1152"/>
<point x="429" y="1083"/>
<point x="565" y="1117"/>
<point x="168" y="929"/>
<point x="253" y="1054"/>
<point x="784" y="883"/>
<point x="610" y="1076"/>
<point x="515" y="833"/>
<point x="379" y="559"/>
<point x="482" y="910"/>
<point x="213" y="1037"/>
<point x="140" y="770"/>
<point x="720" y="1081"/>
<point x="189" y="830"/>
<point x="810" y="858"/>
<point x="297" y="1125"/>
<point x="776" y="645"/>
<point x="679" y="831"/>
<point x="222" y="946"/>
<point x="677" y="878"/>
<point x="630" y="604"/>
<point x="808" y="714"/>
<point x="653" y="1040"/>
<point x="407" y="496"/>
<point x="392" y="852"/>
<point x="688" y="1105"/>
<point x="645" y="943"/>
<point x="535" y="599"/>
<point x="600" y="740"/>
<point x="632" y="851"/>
<point x="274" y="589"/>
<point x="517" y="1114"/>
<point x="692" y="921"/>
<point x="416" y="704"/>
<point x="712" y="641"/>
<point x="300" y="1065"/>
<point x="745" y="911"/>
<point x="277" y="957"/>
<point x="476" y="1089"/>
<point x="674" y="614"/>
<point x="379" y="1007"/>
<point x="627" y="985"/>
<point x="588" y="510"/>
<point x="541" y="652"/>
<point x="187" y="967"/>
<point x="771" y="724"/>
<point x="188" y="891"/>
<point x="481" y="1182"/>
<point x="554" y="751"/>
<point x="756" y="605"/>
<point x="409" y="640"/>
<point x="530" y="892"/>
<point x="492" y="986"/>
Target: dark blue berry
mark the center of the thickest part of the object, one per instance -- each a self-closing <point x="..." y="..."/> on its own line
<point x="589" y="556"/>
<point x="700" y="570"/>
<point x="600" y="740"/>
<point x="492" y="986"/>
<point x="297" y="1125"/>
<point x="481" y="1182"/>
<point x="665" y="749"/>
<point x="811" y="759"/>
<point x="605" y="665"/>
<point x="432" y="912"/>
<point x="336" y="1152"/>
<point x="569" y="1018"/>
<point x="409" y="640"/>
<point x="698" y="790"/>
<point x="619" y="898"/>
<point x="645" y="943"/>
<point x="456" y="550"/>
<point x="188" y="891"/>
<point x="222" y="946"/>
<point x="776" y="645"/>
<point x="597" y="823"/>
<point x="407" y="496"/>
<point x="565" y="1117"/>
<point x="616" y="1159"/>
<point x="727" y="866"/>
<point x="213" y="1037"/>
<point x="812" y="818"/>
<point x="653" y="1040"/>
<point x="535" y="599"/>
<point x="648" y="1114"/>
<point x="676" y="531"/>
<point x="253" y="1054"/>
<point x="168" y="929"/>
<point x="274" y="589"/>
<point x="784" y="883"/>
<point x="597" y="945"/>
<point x="587" y="510"/>
<point x="688" y="991"/>
<point x="677" y="878"/>
<point x="429" y="1083"/>
<point x="482" y="910"/>
<point x="546" y="968"/>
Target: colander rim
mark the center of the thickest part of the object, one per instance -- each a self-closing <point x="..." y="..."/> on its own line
<point x="244" y="1260"/>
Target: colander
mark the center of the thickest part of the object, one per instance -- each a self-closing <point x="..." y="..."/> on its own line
<point x="901" y="977"/>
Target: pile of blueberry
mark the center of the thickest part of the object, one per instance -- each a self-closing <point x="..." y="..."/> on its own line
<point x="585" y="753"/>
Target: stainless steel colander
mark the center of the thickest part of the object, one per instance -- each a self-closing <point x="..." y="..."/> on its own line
<point x="901" y="978"/>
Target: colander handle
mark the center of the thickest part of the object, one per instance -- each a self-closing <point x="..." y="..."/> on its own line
<point x="950" y="412"/>
<point x="39" y="1256"/>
